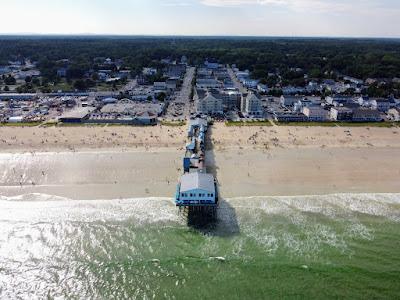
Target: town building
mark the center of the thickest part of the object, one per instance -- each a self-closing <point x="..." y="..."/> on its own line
<point x="62" y="72"/>
<point x="77" y="115"/>
<point x="160" y="86"/>
<point x="177" y="70"/>
<point x="339" y="100"/>
<point x="341" y="113"/>
<point x="171" y="84"/>
<point x="367" y="115"/>
<point x="197" y="188"/>
<point x="289" y="101"/>
<point x="394" y="114"/>
<point x="252" y="105"/>
<point x="383" y="105"/>
<point x="316" y="113"/>
<point x="290" y="117"/>
<point x="208" y="84"/>
<point x="149" y="71"/>
<point x="209" y="105"/>
<point x="262" y="88"/>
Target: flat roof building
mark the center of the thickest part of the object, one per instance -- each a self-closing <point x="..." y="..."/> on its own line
<point x="76" y="115"/>
<point x="197" y="189"/>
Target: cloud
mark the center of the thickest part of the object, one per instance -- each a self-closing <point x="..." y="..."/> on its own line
<point x="341" y="6"/>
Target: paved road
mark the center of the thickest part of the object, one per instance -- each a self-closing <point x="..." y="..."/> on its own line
<point x="180" y="102"/>
<point x="132" y="83"/>
<point x="236" y="82"/>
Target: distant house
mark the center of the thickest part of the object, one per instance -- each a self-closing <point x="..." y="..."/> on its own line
<point x="62" y="72"/>
<point x="109" y="100"/>
<point x="250" y="83"/>
<point x="207" y="84"/>
<point x="291" y="90"/>
<point x="146" y="118"/>
<point x="210" y="105"/>
<point x="4" y="70"/>
<point x="149" y="71"/>
<point x="171" y="84"/>
<point x="288" y="101"/>
<point x="252" y="105"/>
<point x="341" y="114"/>
<point x="184" y="60"/>
<point x="316" y="113"/>
<point x="394" y="114"/>
<point x="211" y="64"/>
<point x="141" y="80"/>
<point x="367" y="115"/>
<point x="77" y="115"/>
<point x="242" y="74"/>
<point x="353" y="80"/>
<point x="177" y="70"/>
<point x="16" y="119"/>
<point x="290" y="117"/>
<point x="160" y="86"/>
<point x="339" y="100"/>
<point x="382" y="105"/>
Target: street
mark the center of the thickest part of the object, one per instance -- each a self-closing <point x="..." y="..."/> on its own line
<point x="236" y="82"/>
<point x="180" y="105"/>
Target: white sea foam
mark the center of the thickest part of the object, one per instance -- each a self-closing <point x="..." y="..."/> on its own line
<point x="34" y="208"/>
<point x="308" y="224"/>
<point x="300" y="225"/>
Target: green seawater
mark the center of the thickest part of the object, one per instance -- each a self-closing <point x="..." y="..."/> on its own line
<point x="308" y="247"/>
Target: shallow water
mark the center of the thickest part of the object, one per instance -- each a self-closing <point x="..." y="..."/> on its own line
<point x="261" y="247"/>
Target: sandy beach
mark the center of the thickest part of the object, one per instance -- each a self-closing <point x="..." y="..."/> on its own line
<point x="50" y="139"/>
<point x="126" y="162"/>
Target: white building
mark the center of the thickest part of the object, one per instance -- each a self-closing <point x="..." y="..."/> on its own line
<point x="250" y="83"/>
<point x="394" y="114"/>
<point x="149" y="71"/>
<point x="251" y="105"/>
<point x="159" y="86"/>
<point x="208" y="84"/>
<point x="209" y="105"/>
<point x="197" y="188"/>
<point x="316" y="113"/>
<point x="263" y="88"/>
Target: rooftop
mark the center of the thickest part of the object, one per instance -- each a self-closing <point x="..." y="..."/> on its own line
<point x="77" y="113"/>
<point x="197" y="181"/>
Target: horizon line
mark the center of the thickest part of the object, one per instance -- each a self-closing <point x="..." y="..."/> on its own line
<point x="190" y="36"/>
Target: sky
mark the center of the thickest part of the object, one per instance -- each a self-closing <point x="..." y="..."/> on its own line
<point x="294" y="18"/>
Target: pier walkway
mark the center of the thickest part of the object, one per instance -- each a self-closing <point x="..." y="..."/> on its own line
<point x="196" y="189"/>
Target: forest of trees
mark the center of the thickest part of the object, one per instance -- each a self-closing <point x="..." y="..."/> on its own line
<point x="319" y="58"/>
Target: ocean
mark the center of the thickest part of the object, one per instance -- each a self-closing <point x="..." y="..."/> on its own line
<point x="313" y="247"/>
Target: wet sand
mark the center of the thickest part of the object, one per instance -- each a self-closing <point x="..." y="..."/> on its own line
<point x="120" y="174"/>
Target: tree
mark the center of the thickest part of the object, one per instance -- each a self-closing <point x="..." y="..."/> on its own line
<point x="36" y="81"/>
<point x="80" y="85"/>
<point x="95" y="76"/>
<point x="28" y="79"/>
<point x="10" y="80"/>
<point x="161" y="97"/>
<point x="6" y="88"/>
